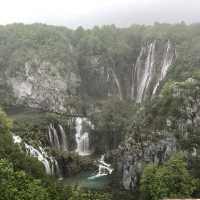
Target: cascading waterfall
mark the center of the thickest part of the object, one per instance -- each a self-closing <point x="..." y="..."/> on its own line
<point x="50" y="163"/>
<point x="82" y="139"/>
<point x="63" y="138"/>
<point x="53" y="136"/>
<point x="57" y="138"/>
<point x="39" y="155"/>
<point x="104" y="168"/>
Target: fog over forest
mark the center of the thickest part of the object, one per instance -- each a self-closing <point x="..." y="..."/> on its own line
<point x="89" y="13"/>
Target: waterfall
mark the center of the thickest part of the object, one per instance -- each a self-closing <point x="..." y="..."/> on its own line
<point x="53" y="136"/>
<point x="48" y="161"/>
<point x="147" y="74"/>
<point x="167" y="61"/>
<point x="57" y="170"/>
<point x="103" y="170"/>
<point x="39" y="155"/>
<point x="117" y="83"/>
<point x="57" y="139"/>
<point x="82" y="138"/>
<point x="151" y="68"/>
<point x="63" y="138"/>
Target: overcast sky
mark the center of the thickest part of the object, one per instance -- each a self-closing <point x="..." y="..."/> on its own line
<point x="73" y="13"/>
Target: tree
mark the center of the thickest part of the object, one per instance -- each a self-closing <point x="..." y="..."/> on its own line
<point x="16" y="185"/>
<point x="170" y="180"/>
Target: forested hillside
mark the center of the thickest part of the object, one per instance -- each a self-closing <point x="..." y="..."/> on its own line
<point x="129" y="94"/>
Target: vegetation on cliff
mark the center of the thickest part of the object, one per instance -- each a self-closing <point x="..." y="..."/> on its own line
<point x="119" y="125"/>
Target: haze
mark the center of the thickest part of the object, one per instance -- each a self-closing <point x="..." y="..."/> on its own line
<point x="88" y="13"/>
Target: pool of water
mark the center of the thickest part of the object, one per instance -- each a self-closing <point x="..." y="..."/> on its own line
<point x="81" y="180"/>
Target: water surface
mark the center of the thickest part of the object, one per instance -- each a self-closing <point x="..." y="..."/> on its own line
<point x="82" y="181"/>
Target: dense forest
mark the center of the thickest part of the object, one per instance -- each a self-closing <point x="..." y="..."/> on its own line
<point x="150" y="136"/>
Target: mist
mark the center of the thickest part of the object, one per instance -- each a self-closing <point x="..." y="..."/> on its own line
<point x="89" y="13"/>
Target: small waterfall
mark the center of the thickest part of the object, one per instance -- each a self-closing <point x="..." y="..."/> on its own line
<point x="117" y="84"/>
<point x="82" y="139"/>
<point x="104" y="168"/>
<point x="57" y="170"/>
<point x="39" y="155"/>
<point x="63" y="138"/>
<point x="49" y="162"/>
<point x="53" y="136"/>
<point x="57" y="138"/>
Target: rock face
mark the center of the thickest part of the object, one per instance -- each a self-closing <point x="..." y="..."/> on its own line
<point x="42" y="83"/>
<point x="133" y="159"/>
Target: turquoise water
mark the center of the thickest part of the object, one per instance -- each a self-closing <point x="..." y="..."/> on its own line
<point x="81" y="180"/>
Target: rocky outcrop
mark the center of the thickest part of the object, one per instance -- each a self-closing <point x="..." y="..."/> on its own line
<point x="133" y="159"/>
<point x="41" y="84"/>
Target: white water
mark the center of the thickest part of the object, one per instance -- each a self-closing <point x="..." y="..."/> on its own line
<point x="48" y="161"/>
<point x="53" y="136"/>
<point x="134" y="73"/>
<point x="39" y="155"/>
<point x="54" y="140"/>
<point x="17" y="139"/>
<point x="146" y="78"/>
<point x="167" y="61"/>
<point x="117" y="84"/>
<point x="104" y="168"/>
<point x="82" y="138"/>
<point x="63" y="138"/>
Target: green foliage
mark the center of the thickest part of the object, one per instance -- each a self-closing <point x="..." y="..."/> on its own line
<point x="93" y="52"/>
<point x="19" y="174"/>
<point x="5" y="122"/>
<point x="89" y="195"/>
<point x="111" y="124"/>
<point x="16" y="185"/>
<point x="12" y="152"/>
<point x="170" y="180"/>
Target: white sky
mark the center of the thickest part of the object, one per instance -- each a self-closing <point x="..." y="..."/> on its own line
<point x="73" y="13"/>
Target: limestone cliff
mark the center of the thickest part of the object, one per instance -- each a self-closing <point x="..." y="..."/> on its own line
<point x="42" y="83"/>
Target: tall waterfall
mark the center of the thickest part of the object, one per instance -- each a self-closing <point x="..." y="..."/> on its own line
<point x="151" y="68"/>
<point x="117" y="83"/>
<point x="167" y="61"/>
<point x="147" y="74"/>
<point x="82" y="138"/>
<point x="104" y="168"/>
<point x="57" y="137"/>
<point x="50" y="163"/>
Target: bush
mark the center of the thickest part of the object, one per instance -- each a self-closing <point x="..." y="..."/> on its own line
<point x="171" y="180"/>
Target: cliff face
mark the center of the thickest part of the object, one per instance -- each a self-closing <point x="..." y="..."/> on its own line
<point x="135" y="81"/>
<point x="41" y="83"/>
<point x="134" y="158"/>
